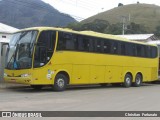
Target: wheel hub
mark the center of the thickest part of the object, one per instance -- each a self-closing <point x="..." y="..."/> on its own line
<point x="60" y="83"/>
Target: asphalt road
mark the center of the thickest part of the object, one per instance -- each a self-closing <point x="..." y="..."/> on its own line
<point x="85" y="98"/>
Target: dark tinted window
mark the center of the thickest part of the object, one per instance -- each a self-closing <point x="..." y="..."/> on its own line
<point x="122" y="48"/>
<point x="67" y="41"/>
<point x="98" y="45"/>
<point x="107" y="46"/>
<point x="44" y="48"/>
<point x="130" y="49"/>
<point x="75" y="42"/>
<point x="154" y="52"/>
<point x="83" y="43"/>
<point x="114" y="48"/>
<point x="140" y="51"/>
<point x="147" y="51"/>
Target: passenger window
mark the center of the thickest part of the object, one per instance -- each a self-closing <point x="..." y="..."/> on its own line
<point x="83" y="43"/>
<point x="67" y="41"/>
<point x="115" y="47"/>
<point x="139" y="50"/>
<point x="98" y="45"/>
<point x="154" y="52"/>
<point x="130" y="49"/>
<point x="147" y="52"/>
<point x="107" y="46"/>
<point x="143" y="51"/>
<point x="123" y="48"/>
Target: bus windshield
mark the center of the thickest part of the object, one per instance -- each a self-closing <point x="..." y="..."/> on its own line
<point x="21" y="50"/>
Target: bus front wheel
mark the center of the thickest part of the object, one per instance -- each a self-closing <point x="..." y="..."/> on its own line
<point x="127" y="80"/>
<point x="60" y="82"/>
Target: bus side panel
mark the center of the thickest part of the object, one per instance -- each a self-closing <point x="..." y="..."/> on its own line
<point x="80" y="74"/>
<point x="154" y="73"/>
<point x="113" y="74"/>
<point x="40" y="76"/>
<point x="97" y="73"/>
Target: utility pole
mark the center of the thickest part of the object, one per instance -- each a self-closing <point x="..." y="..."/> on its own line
<point x="123" y="24"/>
<point x="125" y="20"/>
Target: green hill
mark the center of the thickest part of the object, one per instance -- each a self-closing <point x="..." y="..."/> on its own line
<point x="145" y="15"/>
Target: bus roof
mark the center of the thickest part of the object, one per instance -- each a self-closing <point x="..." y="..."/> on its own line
<point x="88" y="33"/>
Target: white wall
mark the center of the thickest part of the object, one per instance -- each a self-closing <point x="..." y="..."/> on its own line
<point x="5" y="37"/>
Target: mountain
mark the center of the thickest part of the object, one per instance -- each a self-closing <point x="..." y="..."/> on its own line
<point x="31" y="13"/>
<point x="143" y="16"/>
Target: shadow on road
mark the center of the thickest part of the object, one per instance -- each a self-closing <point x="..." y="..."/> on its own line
<point x="28" y="89"/>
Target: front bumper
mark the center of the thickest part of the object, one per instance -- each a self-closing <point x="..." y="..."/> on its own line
<point x="19" y="80"/>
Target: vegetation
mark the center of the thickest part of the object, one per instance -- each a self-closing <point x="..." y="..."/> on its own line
<point x="120" y="4"/>
<point x="105" y="27"/>
<point x="140" y="18"/>
<point x="157" y="31"/>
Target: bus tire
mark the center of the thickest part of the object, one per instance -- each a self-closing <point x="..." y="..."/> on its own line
<point x="127" y="81"/>
<point x="60" y="82"/>
<point x="138" y="80"/>
<point x="37" y="87"/>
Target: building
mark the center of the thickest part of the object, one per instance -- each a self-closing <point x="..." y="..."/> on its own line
<point x="6" y="32"/>
<point x="140" y="37"/>
<point x="5" y="36"/>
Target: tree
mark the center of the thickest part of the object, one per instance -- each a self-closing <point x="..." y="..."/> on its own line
<point x="97" y="26"/>
<point x="134" y="28"/>
<point x="157" y="31"/>
<point x="120" y="4"/>
<point x="115" y="29"/>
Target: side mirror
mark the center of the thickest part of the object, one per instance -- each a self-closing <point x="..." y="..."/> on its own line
<point x="2" y="48"/>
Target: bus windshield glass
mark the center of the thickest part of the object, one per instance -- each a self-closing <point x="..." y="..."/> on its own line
<point x="21" y="50"/>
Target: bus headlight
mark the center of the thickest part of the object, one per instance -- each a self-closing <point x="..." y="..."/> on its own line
<point x="5" y="75"/>
<point x="24" y="75"/>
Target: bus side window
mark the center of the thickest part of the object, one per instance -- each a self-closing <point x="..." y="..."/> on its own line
<point x="61" y="45"/>
<point x="123" y="48"/>
<point x="143" y="51"/>
<point x="115" y="47"/>
<point x="70" y="41"/>
<point x="153" y="52"/>
<point x="66" y="41"/>
<point x="107" y="46"/>
<point x="83" y="43"/>
<point x="140" y="51"/>
<point x="98" y="45"/>
<point x="130" y="49"/>
<point x="147" y="51"/>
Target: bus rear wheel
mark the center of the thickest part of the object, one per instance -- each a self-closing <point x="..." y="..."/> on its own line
<point x="60" y="82"/>
<point x="127" y="80"/>
<point x="138" y="80"/>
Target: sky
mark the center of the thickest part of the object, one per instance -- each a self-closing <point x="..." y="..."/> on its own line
<point x="82" y="9"/>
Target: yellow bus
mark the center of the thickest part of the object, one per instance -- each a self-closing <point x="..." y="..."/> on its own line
<point x="59" y="57"/>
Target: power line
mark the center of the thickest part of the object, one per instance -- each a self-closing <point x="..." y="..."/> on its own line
<point x="89" y="8"/>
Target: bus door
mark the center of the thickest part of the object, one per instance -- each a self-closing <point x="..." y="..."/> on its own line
<point x="42" y="57"/>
